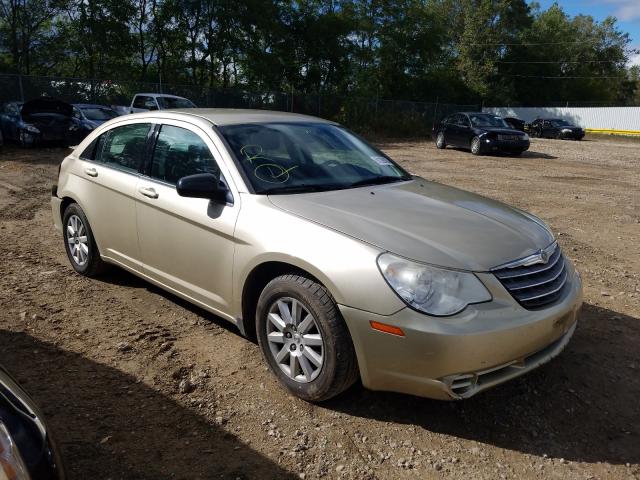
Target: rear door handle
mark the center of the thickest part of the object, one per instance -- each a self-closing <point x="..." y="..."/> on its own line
<point x="92" y="172"/>
<point x="148" y="192"/>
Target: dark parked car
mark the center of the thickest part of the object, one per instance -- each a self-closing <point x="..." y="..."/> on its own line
<point x="515" y="123"/>
<point x="555" y="128"/>
<point x="42" y="120"/>
<point x="26" y="449"/>
<point x="481" y="133"/>
<point x="91" y="115"/>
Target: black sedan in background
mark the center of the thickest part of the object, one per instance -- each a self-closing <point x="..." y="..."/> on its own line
<point x="480" y="133"/>
<point x="26" y="449"/>
<point x="515" y="123"/>
<point x="555" y="128"/>
<point x="41" y="120"/>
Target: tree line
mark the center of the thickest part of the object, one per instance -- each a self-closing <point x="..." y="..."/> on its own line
<point x="463" y="51"/>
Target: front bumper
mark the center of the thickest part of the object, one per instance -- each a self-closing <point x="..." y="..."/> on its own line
<point x="573" y="135"/>
<point x="451" y="358"/>
<point x="56" y="211"/>
<point x="510" y="146"/>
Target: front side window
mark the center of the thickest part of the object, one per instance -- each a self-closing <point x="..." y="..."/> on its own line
<point x="180" y="152"/>
<point x="142" y="101"/>
<point x="559" y="123"/>
<point x="299" y="157"/>
<point x="123" y="147"/>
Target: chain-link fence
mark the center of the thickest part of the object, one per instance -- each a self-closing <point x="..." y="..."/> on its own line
<point x="366" y="115"/>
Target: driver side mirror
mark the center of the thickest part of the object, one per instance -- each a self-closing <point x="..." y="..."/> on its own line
<point x="204" y="185"/>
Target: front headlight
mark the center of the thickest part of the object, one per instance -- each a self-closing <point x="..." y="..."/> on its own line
<point x="432" y="290"/>
<point x="11" y="464"/>
<point x="525" y="137"/>
<point x="31" y="129"/>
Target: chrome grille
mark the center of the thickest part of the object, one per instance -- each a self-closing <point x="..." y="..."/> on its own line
<point x="509" y="137"/>
<point x="535" y="284"/>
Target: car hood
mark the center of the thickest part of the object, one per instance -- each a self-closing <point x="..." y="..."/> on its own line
<point x="425" y="221"/>
<point x="46" y="105"/>
<point x="501" y="130"/>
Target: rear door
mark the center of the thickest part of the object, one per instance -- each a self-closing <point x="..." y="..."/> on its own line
<point x="187" y="244"/>
<point x="105" y="180"/>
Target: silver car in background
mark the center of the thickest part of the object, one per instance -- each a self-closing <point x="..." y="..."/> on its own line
<point x="337" y="260"/>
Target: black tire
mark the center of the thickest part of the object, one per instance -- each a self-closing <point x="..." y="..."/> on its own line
<point x="339" y="369"/>
<point x="440" y="143"/>
<point x="93" y="264"/>
<point x="476" y="146"/>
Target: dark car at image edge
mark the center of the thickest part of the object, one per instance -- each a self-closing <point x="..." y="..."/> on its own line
<point x="481" y="133"/>
<point x="27" y="451"/>
<point x="40" y="121"/>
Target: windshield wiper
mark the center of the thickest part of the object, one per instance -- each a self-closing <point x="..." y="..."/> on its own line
<point x="299" y="189"/>
<point x="379" y="180"/>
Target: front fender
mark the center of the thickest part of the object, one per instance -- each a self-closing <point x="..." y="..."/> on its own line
<point x="347" y="267"/>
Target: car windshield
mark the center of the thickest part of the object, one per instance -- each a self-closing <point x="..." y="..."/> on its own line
<point x="170" y="102"/>
<point x="306" y="157"/>
<point x="97" y="113"/>
<point x="478" y="120"/>
<point x="559" y="123"/>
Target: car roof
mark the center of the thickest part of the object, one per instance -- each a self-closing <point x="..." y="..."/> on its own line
<point x="480" y="113"/>
<point x="159" y="95"/>
<point x="229" y="116"/>
<point x="90" y="105"/>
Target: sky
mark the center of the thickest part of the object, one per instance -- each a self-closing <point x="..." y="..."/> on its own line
<point x="626" y="11"/>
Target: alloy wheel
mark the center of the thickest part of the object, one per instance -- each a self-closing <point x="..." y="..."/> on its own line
<point x="294" y="339"/>
<point x="77" y="240"/>
<point x="475" y="146"/>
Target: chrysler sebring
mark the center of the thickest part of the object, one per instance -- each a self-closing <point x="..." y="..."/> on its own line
<point x="339" y="262"/>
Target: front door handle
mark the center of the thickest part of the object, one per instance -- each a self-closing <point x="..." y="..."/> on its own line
<point x="92" y="172"/>
<point x="148" y="192"/>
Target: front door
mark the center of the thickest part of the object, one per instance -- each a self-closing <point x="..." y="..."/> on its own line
<point x="187" y="244"/>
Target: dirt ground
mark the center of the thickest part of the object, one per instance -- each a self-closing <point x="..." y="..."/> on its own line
<point x="105" y="358"/>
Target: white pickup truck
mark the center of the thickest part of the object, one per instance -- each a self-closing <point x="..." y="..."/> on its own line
<point x="143" y="102"/>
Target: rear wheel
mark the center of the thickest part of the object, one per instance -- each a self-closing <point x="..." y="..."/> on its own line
<point x="303" y="338"/>
<point x="440" y="143"/>
<point x="79" y="243"/>
<point x="476" y="146"/>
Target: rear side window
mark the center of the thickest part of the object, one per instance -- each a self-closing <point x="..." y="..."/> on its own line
<point x="123" y="147"/>
<point x="180" y="152"/>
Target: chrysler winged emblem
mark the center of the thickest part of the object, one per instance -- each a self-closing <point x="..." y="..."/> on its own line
<point x="544" y="256"/>
<point x="541" y="256"/>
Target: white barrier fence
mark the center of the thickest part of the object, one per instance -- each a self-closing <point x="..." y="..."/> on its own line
<point x="613" y="120"/>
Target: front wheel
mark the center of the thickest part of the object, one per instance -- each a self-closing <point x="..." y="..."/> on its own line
<point x="476" y="146"/>
<point x="303" y="338"/>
